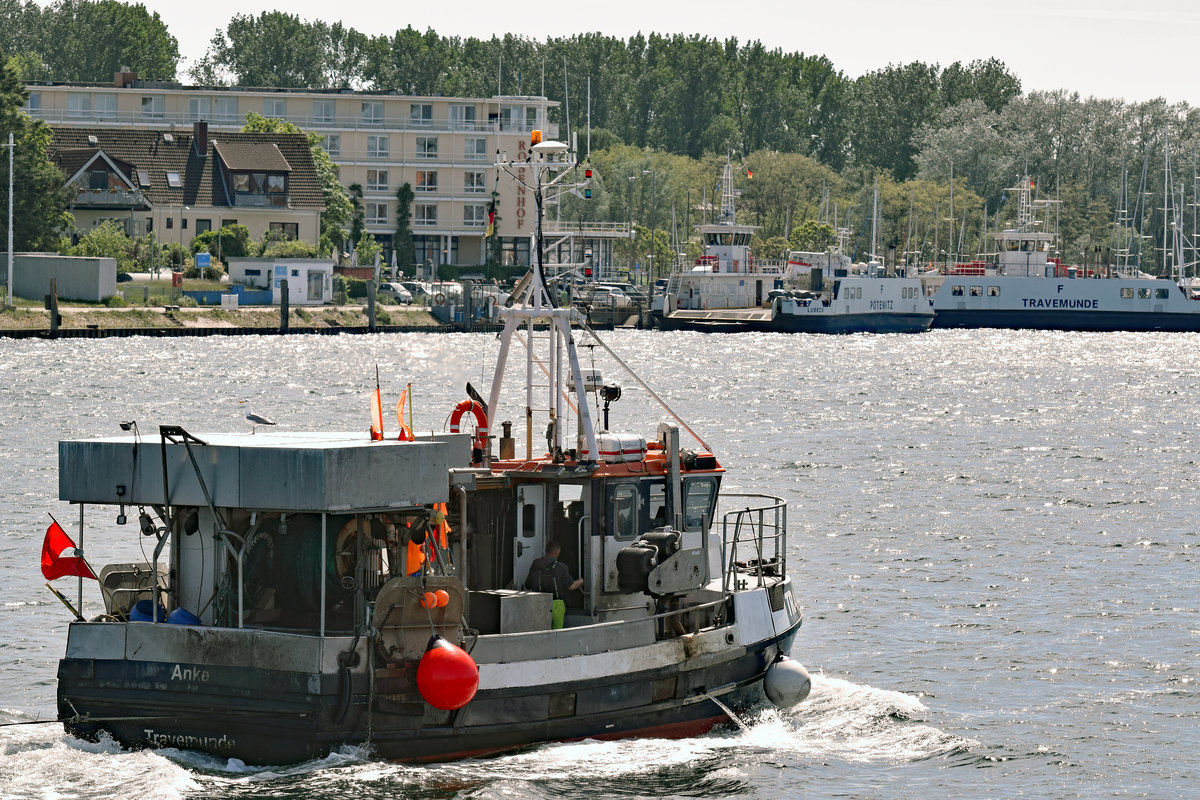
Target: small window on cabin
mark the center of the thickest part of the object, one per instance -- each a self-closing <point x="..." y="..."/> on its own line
<point x="957" y="291"/>
<point x="993" y="291"/>
<point x="976" y="291"/>
<point x="623" y="510"/>
<point x="658" y="505"/>
<point x="1011" y="245"/>
<point x="1127" y="292"/>
<point x="698" y="496"/>
<point x="173" y="180"/>
<point x="1162" y="294"/>
<point x="1144" y="293"/>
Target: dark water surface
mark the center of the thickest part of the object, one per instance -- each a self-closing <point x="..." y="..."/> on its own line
<point x="993" y="537"/>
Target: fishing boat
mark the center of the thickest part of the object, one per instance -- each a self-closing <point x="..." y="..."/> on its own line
<point x="1023" y="286"/>
<point x="309" y="591"/>
<point x="728" y="289"/>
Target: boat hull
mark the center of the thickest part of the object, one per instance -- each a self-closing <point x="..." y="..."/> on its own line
<point x="273" y="716"/>
<point x="1064" y="304"/>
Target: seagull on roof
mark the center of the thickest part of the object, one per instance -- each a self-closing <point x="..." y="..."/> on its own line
<point x="254" y="420"/>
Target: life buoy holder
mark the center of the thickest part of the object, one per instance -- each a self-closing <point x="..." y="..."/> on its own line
<point x="481" y="423"/>
<point x="439" y="298"/>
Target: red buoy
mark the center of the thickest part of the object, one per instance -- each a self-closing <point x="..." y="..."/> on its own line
<point x="428" y="600"/>
<point x="443" y="598"/>
<point x="447" y="676"/>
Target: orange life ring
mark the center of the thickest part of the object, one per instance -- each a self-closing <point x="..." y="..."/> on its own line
<point x="439" y="298"/>
<point x="481" y="423"/>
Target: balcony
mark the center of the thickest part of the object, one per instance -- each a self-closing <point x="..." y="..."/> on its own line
<point x="127" y="199"/>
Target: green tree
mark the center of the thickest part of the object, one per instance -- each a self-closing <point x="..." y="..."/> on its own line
<point x="231" y="241"/>
<point x="358" y="223"/>
<point x="273" y="49"/>
<point x="812" y="236"/>
<point x="81" y="40"/>
<point x="338" y="206"/>
<point x="888" y="107"/>
<point x="403" y="243"/>
<point x="40" y="196"/>
<point x="106" y="240"/>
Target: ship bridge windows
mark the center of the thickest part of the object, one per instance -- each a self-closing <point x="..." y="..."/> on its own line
<point x="699" y="499"/>
<point x="993" y="291"/>
<point x="1126" y="292"/>
<point x="634" y="508"/>
<point x="957" y="290"/>
<point x="1162" y="294"/>
<point x="976" y="291"/>
<point x="1144" y="293"/>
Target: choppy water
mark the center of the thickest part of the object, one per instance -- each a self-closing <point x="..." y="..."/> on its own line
<point x="993" y="534"/>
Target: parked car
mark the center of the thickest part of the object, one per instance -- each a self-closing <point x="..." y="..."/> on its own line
<point x="396" y="292"/>
<point x="124" y="277"/>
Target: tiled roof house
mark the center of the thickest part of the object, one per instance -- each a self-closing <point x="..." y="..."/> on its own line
<point x="180" y="184"/>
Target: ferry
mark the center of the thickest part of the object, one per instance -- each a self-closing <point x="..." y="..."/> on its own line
<point x="1022" y="286"/>
<point x="728" y="289"/>
<point x="304" y="592"/>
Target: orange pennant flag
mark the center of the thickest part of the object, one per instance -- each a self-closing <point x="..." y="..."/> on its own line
<point x="377" y="417"/>
<point x="406" y="434"/>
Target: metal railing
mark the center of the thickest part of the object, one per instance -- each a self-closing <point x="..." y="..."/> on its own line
<point x="753" y="540"/>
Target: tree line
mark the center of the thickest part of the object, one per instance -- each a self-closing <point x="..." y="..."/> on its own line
<point x="676" y="106"/>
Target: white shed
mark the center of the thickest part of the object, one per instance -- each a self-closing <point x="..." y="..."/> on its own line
<point x="310" y="280"/>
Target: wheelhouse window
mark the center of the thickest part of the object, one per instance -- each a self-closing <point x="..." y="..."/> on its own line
<point x="1162" y="294"/>
<point x="993" y="291"/>
<point x="957" y="291"/>
<point x="1144" y="293"/>
<point x="699" y="497"/>
<point x="1127" y="292"/>
<point x="976" y="291"/>
<point x="623" y="510"/>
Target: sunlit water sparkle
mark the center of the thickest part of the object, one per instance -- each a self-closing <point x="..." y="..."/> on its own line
<point x="993" y="536"/>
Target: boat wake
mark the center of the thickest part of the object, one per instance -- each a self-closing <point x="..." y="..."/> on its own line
<point x="840" y="721"/>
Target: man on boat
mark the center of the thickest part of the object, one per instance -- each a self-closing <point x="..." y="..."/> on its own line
<point x="548" y="574"/>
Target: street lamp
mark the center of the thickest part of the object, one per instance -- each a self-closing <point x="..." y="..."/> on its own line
<point x="9" y="286"/>
<point x="653" y="217"/>
<point x="631" y="180"/>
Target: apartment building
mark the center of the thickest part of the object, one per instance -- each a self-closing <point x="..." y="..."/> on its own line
<point x="445" y="148"/>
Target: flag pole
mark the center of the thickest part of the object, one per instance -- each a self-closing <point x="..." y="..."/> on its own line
<point x="65" y="602"/>
<point x="104" y="591"/>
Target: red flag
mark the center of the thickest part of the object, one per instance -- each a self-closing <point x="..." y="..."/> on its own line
<point x="60" y="557"/>
<point x="376" y="416"/>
